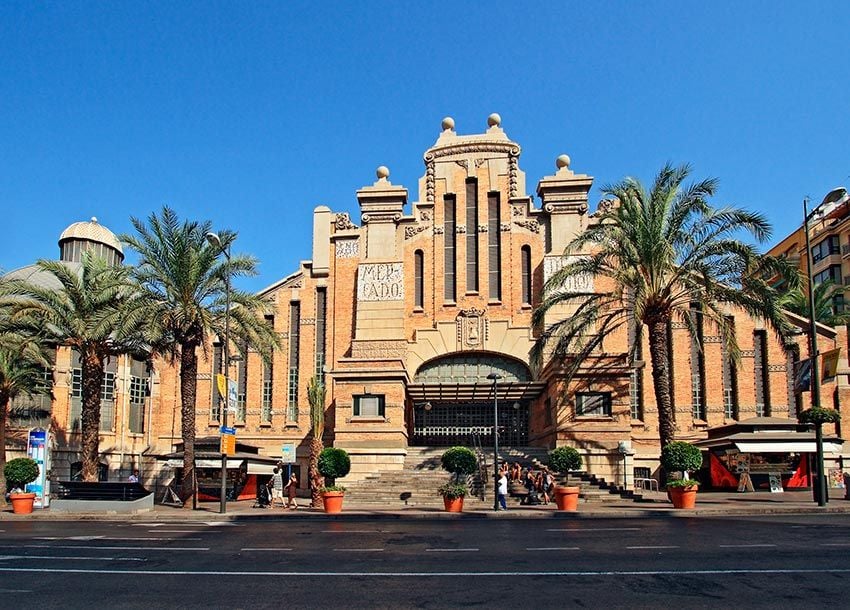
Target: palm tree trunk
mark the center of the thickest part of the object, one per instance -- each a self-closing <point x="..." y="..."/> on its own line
<point x="92" y="365"/>
<point x="4" y="407"/>
<point x="188" y="392"/>
<point x="317" y="481"/>
<point x="658" y="352"/>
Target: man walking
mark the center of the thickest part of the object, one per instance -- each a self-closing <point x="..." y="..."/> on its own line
<point x="277" y="487"/>
<point x="503" y="490"/>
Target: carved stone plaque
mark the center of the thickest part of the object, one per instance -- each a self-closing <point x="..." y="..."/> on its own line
<point x="472" y="329"/>
<point x="347" y="248"/>
<point x="380" y="282"/>
<point x="579" y="283"/>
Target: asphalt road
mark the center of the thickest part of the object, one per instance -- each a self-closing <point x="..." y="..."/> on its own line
<point x="778" y="562"/>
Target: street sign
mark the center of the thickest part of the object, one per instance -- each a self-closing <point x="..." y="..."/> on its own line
<point x="287" y="453"/>
<point x="228" y="440"/>
<point x="226" y="430"/>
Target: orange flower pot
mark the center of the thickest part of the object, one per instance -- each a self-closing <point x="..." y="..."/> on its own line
<point x="567" y="498"/>
<point x="22" y="503"/>
<point x="453" y="505"/>
<point x="683" y="497"/>
<point x="332" y="501"/>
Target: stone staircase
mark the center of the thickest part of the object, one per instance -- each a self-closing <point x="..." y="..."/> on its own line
<point x="416" y="484"/>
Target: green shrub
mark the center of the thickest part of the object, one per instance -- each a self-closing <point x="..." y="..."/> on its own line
<point x="452" y="490"/>
<point x="564" y="459"/>
<point x="820" y="415"/>
<point x="460" y="461"/>
<point x="682" y="483"/>
<point x="20" y="471"/>
<point x="334" y="462"/>
<point x="331" y="488"/>
<point x="680" y="456"/>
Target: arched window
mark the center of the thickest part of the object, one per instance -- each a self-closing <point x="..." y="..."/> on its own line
<point x="526" y="275"/>
<point x="418" y="279"/>
<point x="472" y="368"/>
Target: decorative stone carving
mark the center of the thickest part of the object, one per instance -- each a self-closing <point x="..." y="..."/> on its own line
<point x="482" y="228"/>
<point x="552" y="264"/>
<point x="518" y="210"/>
<point x="748" y="353"/>
<point x="463" y="163"/>
<point x="284" y="334"/>
<point x="204" y="376"/>
<point x="413" y="231"/>
<point x="438" y="230"/>
<point x="429" y="181"/>
<point x="307" y="321"/>
<point x="377" y="217"/>
<point x="460" y="229"/>
<point x="479" y="162"/>
<point x="509" y="148"/>
<point x="604" y="206"/>
<point x="531" y="225"/>
<point x="348" y="248"/>
<point x="512" y="174"/>
<point x="380" y="282"/>
<point x="776" y="368"/>
<point x="378" y="350"/>
<point x="425" y="215"/>
<point x="473" y="329"/>
<point x="712" y="339"/>
<point x="678" y="325"/>
<point x="505" y="227"/>
<point x="342" y="222"/>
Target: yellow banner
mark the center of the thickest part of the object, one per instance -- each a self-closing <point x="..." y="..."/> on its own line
<point x="830" y="364"/>
<point x="221" y="382"/>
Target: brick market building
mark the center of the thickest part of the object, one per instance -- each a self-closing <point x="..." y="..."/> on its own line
<point x="406" y="310"/>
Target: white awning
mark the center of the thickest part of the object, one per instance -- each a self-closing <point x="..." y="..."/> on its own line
<point x="786" y="447"/>
<point x="260" y="468"/>
<point x="216" y="463"/>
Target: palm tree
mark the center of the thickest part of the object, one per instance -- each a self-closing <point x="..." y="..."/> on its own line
<point x="22" y="363"/>
<point x="184" y="278"/>
<point x="656" y="257"/>
<point x="93" y="308"/>
<point x="316" y="399"/>
<point x="797" y="301"/>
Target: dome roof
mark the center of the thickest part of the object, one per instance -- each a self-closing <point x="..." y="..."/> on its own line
<point x="92" y="231"/>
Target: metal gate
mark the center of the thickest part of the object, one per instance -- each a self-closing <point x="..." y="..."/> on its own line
<point x="445" y="425"/>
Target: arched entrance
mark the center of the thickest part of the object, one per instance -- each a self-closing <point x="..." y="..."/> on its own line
<point x="453" y="400"/>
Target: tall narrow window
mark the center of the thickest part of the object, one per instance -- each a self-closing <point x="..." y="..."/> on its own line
<point x="242" y="384"/>
<point x="107" y="397"/>
<point x="697" y="365"/>
<point x="215" y="406"/>
<point x="268" y="384"/>
<point x="494" y="248"/>
<point x="472" y="236"/>
<point x="792" y="358"/>
<point x="294" y="336"/>
<point x="321" y="325"/>
<point x="761" y="374"/>
<point x="730" y="377"/>
<point x="418" y="279"/>
<point x="525" y="253"/>
<point x="139" y="380"/>
<point x="636" y="390"/>
<point x="450" y="239"/>
<point x="670" y="360"/>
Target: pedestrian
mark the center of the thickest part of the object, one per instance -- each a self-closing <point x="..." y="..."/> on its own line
<point x="503" y="490"/>
<point x="548" y="485"/>
<point x="291" y="488"/>
<point x="134" y="477"/>
<point x="516" y="472"/>
<point x="277" y="487"/>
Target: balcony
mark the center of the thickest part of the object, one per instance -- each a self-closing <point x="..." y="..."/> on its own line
<point x="845" y="251"/>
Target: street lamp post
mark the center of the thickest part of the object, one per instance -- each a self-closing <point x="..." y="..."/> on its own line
<point x="495" y="378"/>
<point x="215" y="241"/>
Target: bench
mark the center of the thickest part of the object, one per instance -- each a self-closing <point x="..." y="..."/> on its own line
<point x="103" y="490"/>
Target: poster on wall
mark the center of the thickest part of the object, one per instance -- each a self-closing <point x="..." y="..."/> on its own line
<point x="37" y="450"/>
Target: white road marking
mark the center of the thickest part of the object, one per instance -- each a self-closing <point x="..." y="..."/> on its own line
<point x="15" y="590"/>
<point x="450" y="550"/>
<point x="70" y="557"/>
<point x="617" y="573"/>
<point x="110" y="548"/>
<point x="91" y="538"/>
<point x="191" y="524"/>
<point x="745" y="546"/>
<point x="360" y="550"/>
<point x="253" y="549"/>
<point x="835" y="543"/>
<point x="660" y="546"/>
<point x="596" y="529"/>
<point x="552" y="548"/>
<point x="352" y="531"/>
<point x="174" y="531"/>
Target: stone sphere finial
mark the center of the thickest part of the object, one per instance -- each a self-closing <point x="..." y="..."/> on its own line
<point x="382" y="172"/>
<point x="448" y="124"/>
<point x="562" y="161"/>
<point x="94" y="219"/>
<point x="494" y="120"/>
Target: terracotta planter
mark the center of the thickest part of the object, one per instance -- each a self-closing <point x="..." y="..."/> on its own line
<point x="567" y="498"/>
<point x="22" y="503"/>
<point x="683" y="497"/>
<point x="453" y="505"/>
<point x="332" y="501"/>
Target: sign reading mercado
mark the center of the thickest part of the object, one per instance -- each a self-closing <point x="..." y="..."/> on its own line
<point x="380" y="282"/>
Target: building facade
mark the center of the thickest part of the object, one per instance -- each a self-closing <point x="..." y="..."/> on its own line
<point x="405" y="311"/>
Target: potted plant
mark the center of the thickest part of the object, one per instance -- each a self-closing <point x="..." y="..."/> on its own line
<point x="19" y="472"/>
<point x="461" y="462"/>
<point x="333" y="464"/>
<point x="683" y="458"/>
<point x="564" y="460"/>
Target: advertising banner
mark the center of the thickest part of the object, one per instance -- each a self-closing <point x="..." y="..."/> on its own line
<point x="37" y="449"/>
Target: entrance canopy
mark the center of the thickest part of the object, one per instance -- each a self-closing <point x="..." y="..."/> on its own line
<point x="478" y="392"/>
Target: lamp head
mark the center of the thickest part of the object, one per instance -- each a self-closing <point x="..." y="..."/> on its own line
<point x="214" y="240"/>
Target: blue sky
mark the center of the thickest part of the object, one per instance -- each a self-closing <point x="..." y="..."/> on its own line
<point x="251" y="114"/>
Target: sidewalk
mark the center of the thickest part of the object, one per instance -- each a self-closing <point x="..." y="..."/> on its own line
<point x="654" y="505"/>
